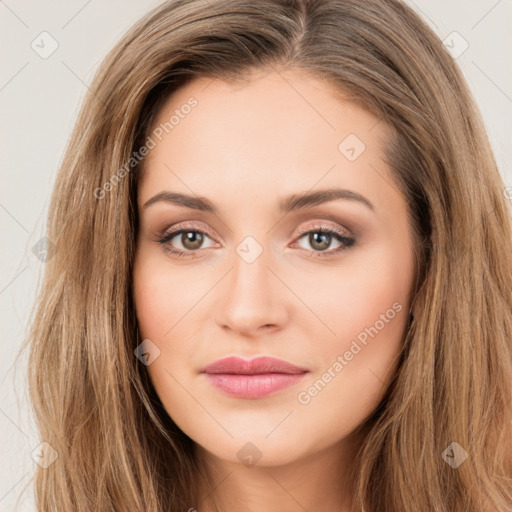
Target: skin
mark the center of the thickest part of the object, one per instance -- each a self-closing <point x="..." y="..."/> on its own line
<point x="245" y="146"/>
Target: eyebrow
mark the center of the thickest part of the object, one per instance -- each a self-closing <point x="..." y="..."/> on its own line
<point x="294" y="202"/>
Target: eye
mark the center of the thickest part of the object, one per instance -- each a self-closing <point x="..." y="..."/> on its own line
<point x="320" y="238"/>
<point x="190" y="239"/>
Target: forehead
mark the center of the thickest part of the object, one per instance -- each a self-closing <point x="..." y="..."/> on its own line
<point x="274" y="131"/>
<point x="254" y="110"/>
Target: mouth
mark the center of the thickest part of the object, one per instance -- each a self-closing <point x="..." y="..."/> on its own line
<point x="253" y="379"/>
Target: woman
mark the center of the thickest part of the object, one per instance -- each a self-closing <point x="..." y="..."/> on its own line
<point x="282" y="278"/>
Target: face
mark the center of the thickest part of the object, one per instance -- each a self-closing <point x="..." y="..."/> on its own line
<point x="244" y="267"/>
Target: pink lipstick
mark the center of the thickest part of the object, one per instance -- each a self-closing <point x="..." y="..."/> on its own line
<point x="252" y="379"/>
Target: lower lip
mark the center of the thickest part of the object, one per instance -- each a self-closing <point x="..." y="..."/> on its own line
<point x="253" y="386"/>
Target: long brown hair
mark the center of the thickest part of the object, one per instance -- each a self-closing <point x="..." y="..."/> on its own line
<point x="118" y="450"/>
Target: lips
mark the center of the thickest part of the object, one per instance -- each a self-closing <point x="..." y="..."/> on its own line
<point x="259" y="365"/>
<point x="252" y="379"/>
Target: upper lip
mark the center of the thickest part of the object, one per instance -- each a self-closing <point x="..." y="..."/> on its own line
<point x="258" y="365"/>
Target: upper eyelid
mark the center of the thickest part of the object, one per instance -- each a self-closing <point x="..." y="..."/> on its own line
<point x="320" y="225"/>
<point x="183" y="227"/>
<point x="317" y="225"/>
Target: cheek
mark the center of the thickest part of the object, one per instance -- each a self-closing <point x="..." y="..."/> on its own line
<point x="152" y="302"/>
<point x="162" y="295"/>
<point x="160" y="303"/>
<point x="370" y="291"/>
<point x="370" y="305"/>
<point x="368" y="309"/>
<point x="169" y="301"/>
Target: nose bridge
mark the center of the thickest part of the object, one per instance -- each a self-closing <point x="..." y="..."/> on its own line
<point x="250" y="298"/>
<point x="250" y="273"/>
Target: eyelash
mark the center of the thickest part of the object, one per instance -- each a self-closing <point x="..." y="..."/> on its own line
<point x="346" y="241"/>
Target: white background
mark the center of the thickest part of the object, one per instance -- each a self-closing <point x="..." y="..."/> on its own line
<point x="40" y="99"/>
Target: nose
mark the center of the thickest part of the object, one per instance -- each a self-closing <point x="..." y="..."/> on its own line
<point x="252" y="300"/>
